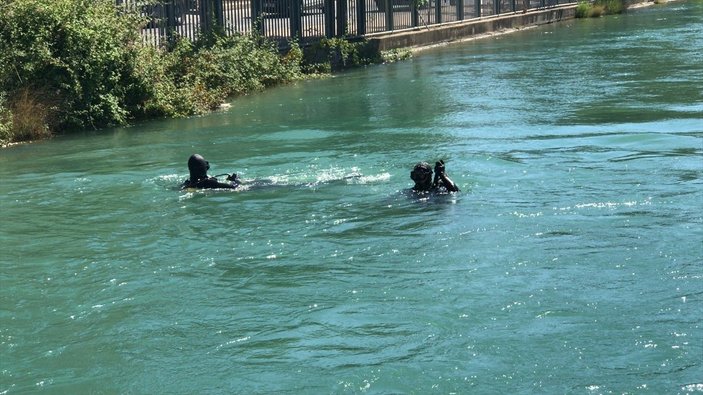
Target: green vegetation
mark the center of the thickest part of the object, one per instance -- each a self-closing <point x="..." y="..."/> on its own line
<point x="396" y="55"/>
<point x="5" y="120"/>
<point x="194" y="78"/>
<point x="77" y="64"/>
<point x="69" y="62"/>
<point x="597" y="8"/>
<point x="334" y="54"/>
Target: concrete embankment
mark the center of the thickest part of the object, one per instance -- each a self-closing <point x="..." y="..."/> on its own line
<point x="425" y="36"/>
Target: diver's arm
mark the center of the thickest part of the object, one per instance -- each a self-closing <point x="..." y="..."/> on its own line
<point x="213" y="183"/>
<point x="222" y="185"/>
<point x="440" y="174"/>
<point x="233" y="183"/>
<point x="448" y="183"/>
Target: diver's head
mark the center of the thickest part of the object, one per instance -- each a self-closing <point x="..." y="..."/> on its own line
<point x="198" y="167"/>
<point x="422" y="175"/>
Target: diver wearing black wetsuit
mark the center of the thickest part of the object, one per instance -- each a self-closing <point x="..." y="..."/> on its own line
<point x="422" y="175"/>
<point x="198" y="167"/>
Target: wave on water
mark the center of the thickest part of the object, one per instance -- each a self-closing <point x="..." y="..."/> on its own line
<point x="303" y="179"/>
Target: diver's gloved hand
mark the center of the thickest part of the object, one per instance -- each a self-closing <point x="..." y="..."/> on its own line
<point x="438" y="171"/>
<point x="439" y="167"/>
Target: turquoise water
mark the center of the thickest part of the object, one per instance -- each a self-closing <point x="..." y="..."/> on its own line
<point x="569" y="263"/>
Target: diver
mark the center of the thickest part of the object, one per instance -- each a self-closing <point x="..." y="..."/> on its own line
<point x="198" y="167"/>
<point x="424" y="182"/>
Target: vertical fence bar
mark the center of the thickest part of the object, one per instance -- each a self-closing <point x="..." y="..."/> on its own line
<point x="437" y="11"/>
<point x="360" y="17"/>
<point x="329" y="18"/>
<point x="460" y="10"/>
<point x="170" y="21"/>
<point x="295" y="19"/>
<point x="204" y="16"/>
<point x="414" y="14"/>
<point x="389" y="14"/>
<point x="342" y="18"/>
<point x="257" y="24"/>
<point x="477" y="5"/>
<point x="219" y="14"/>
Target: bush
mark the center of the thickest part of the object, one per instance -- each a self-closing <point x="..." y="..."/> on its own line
<point x="5" y="121"/>
<point x="598" y="8"/>
<point x="331" y="54"/>
<point x="612" y="6"/>
<point x="77" y="53"/>
<point x="76" y="64"/>
<point x="193" y="78"/>
<point x="396" y="55"/>
<point x="583" y="9"/>
<point x="241" y="64"/>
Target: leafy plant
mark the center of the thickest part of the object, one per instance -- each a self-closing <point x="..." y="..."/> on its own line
<point x="611" y="6"/>
<point x="582" y="9"/>
<point x="395" y="55"/>
<point x="586" y="9"/>
<point x="193" y="78"/>
<point x="5" y="121"/>
<point x="75" y="64"/>
<point x="338" y="53"/>
<point x="79" y="52"/>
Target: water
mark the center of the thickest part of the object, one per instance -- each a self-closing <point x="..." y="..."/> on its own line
<point x="569" y="263"/>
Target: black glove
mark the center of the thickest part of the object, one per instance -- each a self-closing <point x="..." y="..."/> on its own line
<point x="233" y="177"/>
<point x="439" y="167"/>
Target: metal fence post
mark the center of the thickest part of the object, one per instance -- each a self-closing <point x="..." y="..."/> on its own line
<point x="170" y="21"/>
<point x="257" y="24"/>
<point x="496" y="7"/>
<point x="342" y="18"/>
<point x="360" y="17"/>
<point x="460" y="10"/>
<point x="438" y="11"/>
<point x="329" y="18"/>
<point x="204" y="16"/>
<point x="295" y="16"/>
<point x="219" y="14"/>
<point x="414" y="14"/>
<point x="477" y="7"/>
<point x="389" y="14"/>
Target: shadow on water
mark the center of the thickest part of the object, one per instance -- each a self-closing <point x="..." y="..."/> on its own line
<point x="660" y="154"/>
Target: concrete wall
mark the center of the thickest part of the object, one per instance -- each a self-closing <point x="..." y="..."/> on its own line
<point x="455" y="31"/>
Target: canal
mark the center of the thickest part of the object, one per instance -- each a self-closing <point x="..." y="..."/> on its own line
<point x="570" y="262"/>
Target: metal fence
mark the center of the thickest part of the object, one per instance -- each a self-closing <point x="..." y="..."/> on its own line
<point x="311" y="20"/>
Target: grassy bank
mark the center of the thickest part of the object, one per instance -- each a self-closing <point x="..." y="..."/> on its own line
<point x="69" y="65"/>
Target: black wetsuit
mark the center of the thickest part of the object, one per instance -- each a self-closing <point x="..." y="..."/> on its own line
<point x="422" y="174"/>
<point x="209" y="183"/>
<point x="198" y="167"/>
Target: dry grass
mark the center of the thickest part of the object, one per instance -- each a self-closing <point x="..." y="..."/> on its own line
<point x="596" y="11"/>
<point x="31" y="116"/>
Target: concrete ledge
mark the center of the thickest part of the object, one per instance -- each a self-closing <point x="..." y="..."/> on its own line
<point x="456" y="31"/>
